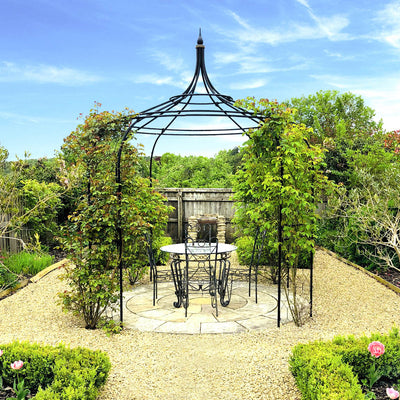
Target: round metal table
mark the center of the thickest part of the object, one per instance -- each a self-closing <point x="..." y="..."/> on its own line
<point x="205" y="275"/>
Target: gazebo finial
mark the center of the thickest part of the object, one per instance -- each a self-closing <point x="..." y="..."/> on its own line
<point x="200" y="39"/>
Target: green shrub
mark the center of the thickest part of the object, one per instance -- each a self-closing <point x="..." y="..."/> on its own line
<point x="7" y="278"/>
<point x="56" y="373"/>
<point x="333" y="370"/>
<point x="161" y="257"/>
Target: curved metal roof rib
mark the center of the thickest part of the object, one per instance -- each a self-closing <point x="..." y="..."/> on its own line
<point x="214" y="113"/>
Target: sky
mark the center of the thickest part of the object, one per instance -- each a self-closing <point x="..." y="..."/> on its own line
<point x="59" y="57"/>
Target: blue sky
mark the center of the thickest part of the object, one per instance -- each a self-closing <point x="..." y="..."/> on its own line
<point x="57" y="57"/>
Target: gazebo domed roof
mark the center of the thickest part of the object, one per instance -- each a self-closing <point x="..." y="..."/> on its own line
<point x="212" y="113"/>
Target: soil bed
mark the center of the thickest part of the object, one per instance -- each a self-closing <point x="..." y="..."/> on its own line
<point x="7" y="393"/>
<point x="380" y="389"/>
<point x="391" y="275"/>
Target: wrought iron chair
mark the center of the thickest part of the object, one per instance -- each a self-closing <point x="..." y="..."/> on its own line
<point x="228" y="274"/>
<point x="156" y="274"/>
<point x="200" y="264"/>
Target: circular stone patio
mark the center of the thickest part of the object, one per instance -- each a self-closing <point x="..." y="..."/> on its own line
<point x="242" y="314"/>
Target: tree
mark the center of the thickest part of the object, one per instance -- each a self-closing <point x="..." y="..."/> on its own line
<point x="340" y="122"/>
<point x="369" y="212"/>
<point x="197" y="171"/>
<point x="280" y="178"/>
<point x="22" y="202"/>
<point x="89" y="239"/>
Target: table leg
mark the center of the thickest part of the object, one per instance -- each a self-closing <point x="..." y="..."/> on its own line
<point x="178" y="281"/>
<point x="224" y="285"/>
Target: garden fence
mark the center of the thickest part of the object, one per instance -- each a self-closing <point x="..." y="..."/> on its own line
<point x="11" y="242"/>
<point x="194" y="202"/>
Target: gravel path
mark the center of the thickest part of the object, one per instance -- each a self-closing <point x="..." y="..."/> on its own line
<point x="251" y="365"/>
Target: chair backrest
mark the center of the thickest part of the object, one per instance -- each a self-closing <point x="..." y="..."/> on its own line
<point x="200" y="239"/>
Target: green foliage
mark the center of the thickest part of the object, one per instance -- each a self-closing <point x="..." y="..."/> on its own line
<point x="42" y="170"/>
<point x="197" y="171"/>
<point x="90" y="155"/>
<point x="9" y="201"/>
<point x="281" y="173"/>
<point x="266" y="263"/>
<point x="27" y="263"/>
<point x="335" y="115"/>
<point x="43" y="216"/>
<point x="365" y="218"/>
<point x="361" y="220"/>
<point x="14" y="267"/>
<point x="333" y="370"/>
<point x="340" y="122"/>
<point x="27" y="201"/>
<point x="161" y="257"/>
<point x="56" y="372"/>
<point x="8" y="279"/>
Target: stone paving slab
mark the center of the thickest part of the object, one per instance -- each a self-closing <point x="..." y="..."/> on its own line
<point x="242" y="314"/>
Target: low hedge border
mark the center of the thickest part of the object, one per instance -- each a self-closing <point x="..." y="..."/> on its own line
<point x="56" y="373"/>
<point x="333" y="370"/>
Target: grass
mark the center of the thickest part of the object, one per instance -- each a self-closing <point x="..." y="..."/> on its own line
<point x="28" y="263"/>
<point x="20" y="265"/>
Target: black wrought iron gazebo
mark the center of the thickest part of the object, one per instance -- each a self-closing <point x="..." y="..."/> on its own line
<point x="201" y="102"/>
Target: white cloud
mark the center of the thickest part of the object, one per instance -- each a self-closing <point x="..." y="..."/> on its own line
<point x="156" y="79"/>
<point x="389" y="18"/>
<point x="254" y="84"/>
<point x="329" y="27"/>
<point x="11" y="72"/>
<point x="339" y="56"/>
<point x="22" y="119"/>
<point x="304" y="3"/>
<point x="169" y="61"/>
<point x="255" y="64"/>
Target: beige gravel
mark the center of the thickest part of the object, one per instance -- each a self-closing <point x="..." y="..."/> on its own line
<point x="251" y="365"/>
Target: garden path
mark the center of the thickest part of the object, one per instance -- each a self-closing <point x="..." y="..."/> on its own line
<point x="247" y="365"/>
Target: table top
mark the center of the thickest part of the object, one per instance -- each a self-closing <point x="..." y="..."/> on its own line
<point x="198" y="248"/>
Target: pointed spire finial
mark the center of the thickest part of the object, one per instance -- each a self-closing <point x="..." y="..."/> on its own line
<point x="200" y="39"/>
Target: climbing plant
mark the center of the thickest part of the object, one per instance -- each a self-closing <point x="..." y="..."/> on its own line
<point x="281" y="182"/>
<point x="89" y="238"/>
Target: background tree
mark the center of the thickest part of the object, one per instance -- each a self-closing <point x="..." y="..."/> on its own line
<point x="369" y="212"/>
<point x="26" y="203"/>
<point x="341" y="122"/>
<point x="364" y="159"/>
<point x="89" y="239"/>
<point x="172" y="170"/>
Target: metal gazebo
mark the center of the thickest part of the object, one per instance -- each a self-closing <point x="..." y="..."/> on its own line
<point x="202" y="102"/>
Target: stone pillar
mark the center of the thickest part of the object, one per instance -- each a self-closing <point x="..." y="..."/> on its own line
<point x="192" y="228"/>
<point x="221" y="228"/>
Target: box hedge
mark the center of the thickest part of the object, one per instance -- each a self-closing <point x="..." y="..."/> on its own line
<point x="56" y="372"/>
<point x="334" y="370"/>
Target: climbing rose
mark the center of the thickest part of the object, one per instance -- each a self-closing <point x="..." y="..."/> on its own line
<point x="392" y="394"/>
<point x="17" y="364"/>
<point x="1" y="353"/>
<point x="376" y="348"/>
